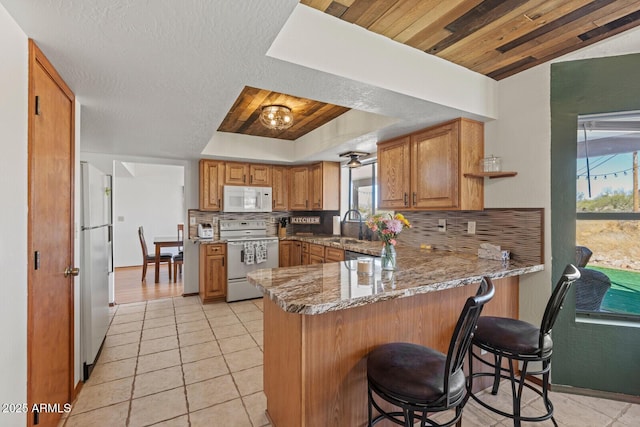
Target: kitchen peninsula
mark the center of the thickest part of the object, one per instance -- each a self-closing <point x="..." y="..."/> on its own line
<point x="320" y="322"/>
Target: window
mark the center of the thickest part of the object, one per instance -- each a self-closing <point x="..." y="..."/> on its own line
<point x="608" y="214"/>
<point x="363" y="191"/>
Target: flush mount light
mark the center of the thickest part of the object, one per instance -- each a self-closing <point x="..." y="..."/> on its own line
<point x="354" y="155"/>
<point x="276" y="117"/>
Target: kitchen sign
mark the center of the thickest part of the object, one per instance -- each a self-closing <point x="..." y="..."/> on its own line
<point x="305" y="220"/>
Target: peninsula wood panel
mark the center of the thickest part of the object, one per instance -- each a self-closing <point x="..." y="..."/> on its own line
<point x="497" y="38"/>
<point x="323" y="357"/>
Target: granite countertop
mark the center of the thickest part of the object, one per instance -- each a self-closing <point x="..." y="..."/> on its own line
<point x="346" y="243"/>
<point x="320" y="288"/>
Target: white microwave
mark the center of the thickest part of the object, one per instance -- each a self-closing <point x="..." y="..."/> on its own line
<point x="246" y="199"/>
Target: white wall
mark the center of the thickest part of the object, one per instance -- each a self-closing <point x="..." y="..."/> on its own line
<point x="153" y="198"/>
<point x="13" y="216"/>
<point x="189" y="179"/>
<point x="522" y="137"/>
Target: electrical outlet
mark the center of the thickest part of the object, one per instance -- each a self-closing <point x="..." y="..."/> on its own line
<point x="442" y="225"/>
<point x="471" y="227"/>
<point x="192" y="220"/>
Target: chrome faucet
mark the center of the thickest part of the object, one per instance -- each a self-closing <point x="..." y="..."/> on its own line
<point x="359" y="219"/>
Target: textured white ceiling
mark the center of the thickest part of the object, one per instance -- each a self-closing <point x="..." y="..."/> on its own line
<point x="156" y="77"/>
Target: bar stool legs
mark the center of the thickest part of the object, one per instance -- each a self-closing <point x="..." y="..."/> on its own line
<point x="517" y="341"/>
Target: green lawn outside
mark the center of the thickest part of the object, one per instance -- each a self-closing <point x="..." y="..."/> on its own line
<point x="624" y="295"/>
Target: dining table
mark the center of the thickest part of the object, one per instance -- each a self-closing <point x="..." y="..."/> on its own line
<point x="164" y="242"/>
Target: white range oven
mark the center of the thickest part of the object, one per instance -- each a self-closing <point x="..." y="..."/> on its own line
<point x="248" y="249"/>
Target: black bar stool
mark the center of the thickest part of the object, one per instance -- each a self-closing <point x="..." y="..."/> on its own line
<point x="420" y="380"/>
<point x="519" y="341"/>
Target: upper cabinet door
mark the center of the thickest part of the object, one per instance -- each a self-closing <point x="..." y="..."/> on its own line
<point x="260" y="175"/>
<point x="279" y="179"/>
<point x="211" y="178"/>
<point x="393" y="173"/>
<point x="298" y="196"/>
<point x="236" y="174"/>
<point x="434" y="168"/>
<point x="315" y="186"/>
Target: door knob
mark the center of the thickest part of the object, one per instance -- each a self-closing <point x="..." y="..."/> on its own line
<point x="71" y="271"/>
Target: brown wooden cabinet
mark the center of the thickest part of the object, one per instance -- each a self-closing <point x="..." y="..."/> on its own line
<point x="316" y="254"/>
<point x="260" y="175"/>
<point x="290" y="253"/>
<point x="280" y="185"/>
<point x="247" y="174"/>
<point x="213" y="272"/>
<point x="425" y="170"/>
<point x="315" y="187"/>
<point x="298" y="196"/>
<point x="236" y="173"/>
<point x="211" y="181"/>
<point x="333" y="254"/>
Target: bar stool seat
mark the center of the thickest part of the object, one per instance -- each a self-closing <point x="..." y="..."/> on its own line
<point x="410" y="368"/>
<point x="519" y="342"/>
<point x="419" y="380"/>
<point x="514" y="336"/>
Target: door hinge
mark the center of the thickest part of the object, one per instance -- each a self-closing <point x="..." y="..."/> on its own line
<point x="36" y="260"/>
<point x="37" y="105"/>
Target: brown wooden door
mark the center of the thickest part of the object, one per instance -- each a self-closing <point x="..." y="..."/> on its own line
<point x="260" y="175"/>
<point x="394" y="174"/>
<point x="50" y="239"/>
<point x="298" y="197"/>
<point x="280" y="183"/>
<point x="315" y="186"/>
<point x="434" y="168"/>
<point x="236" y="174"/>
<point x="211" y="176"/>
<point x="284" y="253"/>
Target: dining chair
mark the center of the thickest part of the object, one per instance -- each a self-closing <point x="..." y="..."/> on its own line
<point x="519" y="343"/>
<point x="178" y="259"/>
<point x="420" y="380"/>
<point x="151" y="259"/>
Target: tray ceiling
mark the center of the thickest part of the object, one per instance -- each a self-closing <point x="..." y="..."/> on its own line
<point x="244" y="115"/>
<point x="497" y="38"/>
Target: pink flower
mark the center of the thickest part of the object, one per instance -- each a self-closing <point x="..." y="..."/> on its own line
<point x="393" y="242"/>
<point x="394" y="226"/>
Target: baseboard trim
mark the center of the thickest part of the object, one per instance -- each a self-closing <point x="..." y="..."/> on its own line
<point x="192" y="294"/>
<point x="77" y="389"/>
<point x="596" y="393"/>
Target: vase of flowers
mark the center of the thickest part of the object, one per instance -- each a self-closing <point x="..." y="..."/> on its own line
<point x="388" y="227"/>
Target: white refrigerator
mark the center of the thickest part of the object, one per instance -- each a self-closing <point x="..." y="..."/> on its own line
<point x="96" y="262"/>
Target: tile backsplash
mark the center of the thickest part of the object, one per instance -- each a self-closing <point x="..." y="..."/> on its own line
<point x="272" y="218"/>
<point x="517" y="230"/>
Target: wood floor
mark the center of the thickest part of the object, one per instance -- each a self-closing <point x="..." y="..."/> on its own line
<point x="129" y="288"/>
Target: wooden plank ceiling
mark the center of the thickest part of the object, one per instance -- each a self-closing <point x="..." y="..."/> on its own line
<point x="497" y="38"/>
<point x="243" y="117"/>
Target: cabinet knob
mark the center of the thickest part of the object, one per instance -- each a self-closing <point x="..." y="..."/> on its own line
<point x="414" y="199"/>
<point x="406" y="201"/>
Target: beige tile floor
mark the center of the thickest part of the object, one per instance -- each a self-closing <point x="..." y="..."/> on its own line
<point x="176" y="362"/>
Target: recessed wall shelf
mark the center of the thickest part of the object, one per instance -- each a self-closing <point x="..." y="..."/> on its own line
<point x="490" y="175"/>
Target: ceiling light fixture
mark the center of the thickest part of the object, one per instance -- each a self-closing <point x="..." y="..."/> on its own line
<point x="354" y="155"/>
<point x="276" y="117"/>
